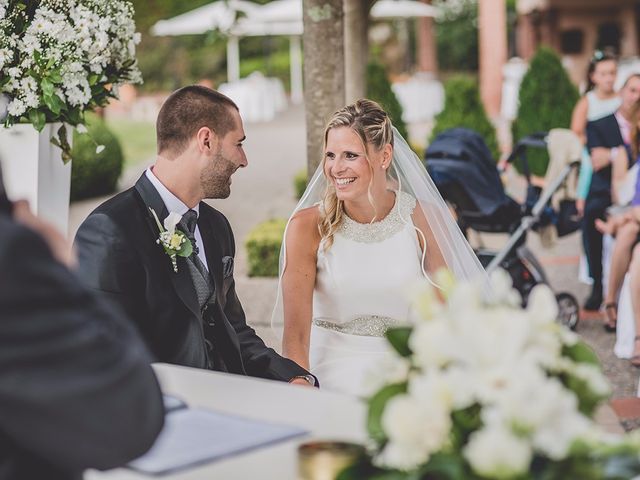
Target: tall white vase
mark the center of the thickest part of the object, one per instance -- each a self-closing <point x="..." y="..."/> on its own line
<point x="33" y="169"/>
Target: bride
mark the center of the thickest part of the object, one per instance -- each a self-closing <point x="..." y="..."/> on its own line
<point x="370" y="225"/>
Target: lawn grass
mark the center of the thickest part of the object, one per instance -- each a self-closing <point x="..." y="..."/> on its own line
<point x="138" y="139"/>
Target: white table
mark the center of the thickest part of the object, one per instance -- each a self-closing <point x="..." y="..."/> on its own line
<point x="326" y="415"/>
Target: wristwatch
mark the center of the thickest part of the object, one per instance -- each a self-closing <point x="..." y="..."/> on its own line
<point x="309" y="378"/>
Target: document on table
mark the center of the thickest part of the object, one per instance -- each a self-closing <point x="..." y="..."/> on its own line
<point x="193" y="437"/>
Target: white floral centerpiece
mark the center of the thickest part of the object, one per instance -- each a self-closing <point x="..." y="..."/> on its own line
<point x="488" y="390"/>
<point x="61" y="58"/>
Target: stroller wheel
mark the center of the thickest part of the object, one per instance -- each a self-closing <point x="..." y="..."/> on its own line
<point x="568" y="310"/>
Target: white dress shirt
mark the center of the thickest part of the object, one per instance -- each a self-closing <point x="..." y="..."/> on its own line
<point x="174" y="204"/>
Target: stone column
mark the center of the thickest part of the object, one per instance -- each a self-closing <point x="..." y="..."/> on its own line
<point x="629" y="43"/>
<point x="525" y="37"/>
<point x="427" y="52"/>
<point x="492" y="29"/>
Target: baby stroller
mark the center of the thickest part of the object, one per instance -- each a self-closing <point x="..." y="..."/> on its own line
<point x="464" y="172"/>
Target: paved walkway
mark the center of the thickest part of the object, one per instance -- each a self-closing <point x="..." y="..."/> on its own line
<point x="264" y="190"/>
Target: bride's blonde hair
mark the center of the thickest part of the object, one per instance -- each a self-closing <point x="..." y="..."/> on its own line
<point x="372" y="125"/>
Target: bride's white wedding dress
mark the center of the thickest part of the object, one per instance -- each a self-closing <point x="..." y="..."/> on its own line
<point x="362" y="288"/>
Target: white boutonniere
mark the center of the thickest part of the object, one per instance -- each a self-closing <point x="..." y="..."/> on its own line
<point x="174" y="242"/>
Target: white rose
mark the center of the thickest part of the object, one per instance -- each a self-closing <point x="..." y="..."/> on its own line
<point x="417" y="423"/>
<point x="463" y="300"/>
<point x="502" y="291"/>
<point x="433" y="344"/>
<point x="495" y="452"/>
<point x="462" y="384"/>
<point x="557" y="435"/>
<point x="391" y="369"/>
<point x="542" y="304"/>
<point x="431" y="386"/>
<point x="400" y="456"/>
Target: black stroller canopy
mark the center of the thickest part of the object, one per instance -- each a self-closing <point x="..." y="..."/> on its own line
<point x="460" y="155"/>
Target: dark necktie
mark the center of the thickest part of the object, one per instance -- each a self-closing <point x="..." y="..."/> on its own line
<point x="199" y="273"/>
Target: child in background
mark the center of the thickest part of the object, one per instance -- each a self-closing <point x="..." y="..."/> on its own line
<point x="599" y="100"/>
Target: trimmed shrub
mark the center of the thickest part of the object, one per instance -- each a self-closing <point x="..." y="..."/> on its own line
<point x="379" y="90"/>
<point x="263" y="248"/>
<point x="546" y="100"/>
<point x="300" y="183"/>
<point x="463" y="108"/>
<point x="457" y="35"/>
<point x="94" y="174"/>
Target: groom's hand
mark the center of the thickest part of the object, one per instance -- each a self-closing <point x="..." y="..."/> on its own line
<point x="307" y="381"/>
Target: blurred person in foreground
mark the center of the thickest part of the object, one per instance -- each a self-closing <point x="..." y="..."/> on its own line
<point x="76" y="387"/>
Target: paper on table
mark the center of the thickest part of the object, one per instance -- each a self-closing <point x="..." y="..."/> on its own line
<point x="192" y="437"/>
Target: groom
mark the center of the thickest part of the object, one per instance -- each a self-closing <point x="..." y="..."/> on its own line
<point x="188" y="313"/>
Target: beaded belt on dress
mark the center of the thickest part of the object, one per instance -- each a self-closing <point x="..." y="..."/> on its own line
<point x="366" y="325"/>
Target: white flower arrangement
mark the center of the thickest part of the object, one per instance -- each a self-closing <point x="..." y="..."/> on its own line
<point x="174" y="242"/>
<point x="480" y="389"/>
<point x="61" y="58"/>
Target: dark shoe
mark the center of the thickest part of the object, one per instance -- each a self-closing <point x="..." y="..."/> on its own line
<point x="593" y="302"/>
<point x="611" y="316"/>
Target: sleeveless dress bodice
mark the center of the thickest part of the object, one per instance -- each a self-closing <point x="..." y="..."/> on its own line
<point x="362" y="288"/>
<point x="599" y="108"/>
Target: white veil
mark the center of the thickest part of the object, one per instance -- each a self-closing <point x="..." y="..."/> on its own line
<point x="407" y="174"/>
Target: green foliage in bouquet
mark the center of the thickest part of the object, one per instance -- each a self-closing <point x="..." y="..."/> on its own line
<point x="94" y="174"/>
<point x="379" y="90"/>
<point x="546" y="100"/>
<point x="60" y="59"/>
<point x="482" y="389"/>
<point x="263" y="248"/>
<point x="463" y="108"/>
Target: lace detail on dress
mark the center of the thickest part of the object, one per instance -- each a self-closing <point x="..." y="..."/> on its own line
<point x="383" y="229"/>
<point x="366" y="325"/>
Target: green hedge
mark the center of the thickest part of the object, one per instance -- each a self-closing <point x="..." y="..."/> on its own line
<point x="463" y="108"/>
<point x="263" y="248"/>
<point x="300" y="183"/>
<point x="546" y="100"/>
<point x="94" y="174"/>
<point x="379" y="90"/>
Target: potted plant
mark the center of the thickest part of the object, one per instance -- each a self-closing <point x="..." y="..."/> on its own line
<point x="58" y="60"/>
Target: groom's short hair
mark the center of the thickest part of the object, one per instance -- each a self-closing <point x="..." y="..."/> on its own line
<point x="189" y="109"/>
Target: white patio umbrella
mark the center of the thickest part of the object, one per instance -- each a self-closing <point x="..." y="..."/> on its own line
<point x="291" y="10"/>
<point x="402" y="9"/>
<point x="279" y="17"/>
<point x="219" y="15"/>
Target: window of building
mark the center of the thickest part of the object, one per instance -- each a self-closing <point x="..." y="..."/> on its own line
<point x="572" y="41"/>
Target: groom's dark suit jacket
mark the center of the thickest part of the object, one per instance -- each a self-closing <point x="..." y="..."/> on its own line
<point x="119" y="256"/>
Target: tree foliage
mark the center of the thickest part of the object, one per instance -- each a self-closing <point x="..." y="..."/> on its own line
<point x="463" y="108"/>
<point x="457" y="35"/>
<point x="546" y="100"/>
<point x="379" y="90"/>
